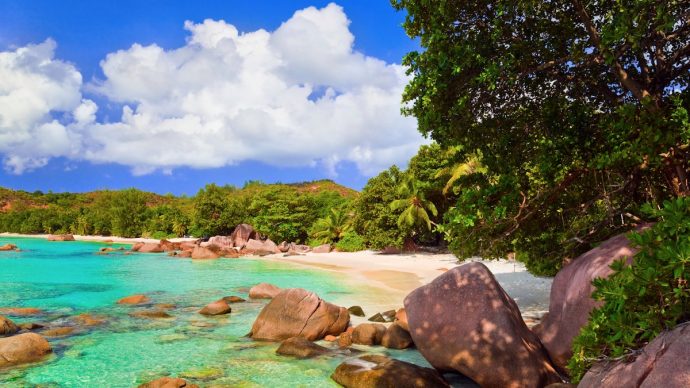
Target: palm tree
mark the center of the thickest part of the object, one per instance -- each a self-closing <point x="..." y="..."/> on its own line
<point x="416" y="206"/>
<point x="456" y="171"/>
<point x="332" y="228"/>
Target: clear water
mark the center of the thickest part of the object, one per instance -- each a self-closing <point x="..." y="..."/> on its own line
<point x="69" y="278"/>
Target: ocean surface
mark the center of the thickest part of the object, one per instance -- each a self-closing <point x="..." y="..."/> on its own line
<point x="69" y="278"/>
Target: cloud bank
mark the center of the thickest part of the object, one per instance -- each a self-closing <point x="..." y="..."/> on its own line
<point x="300" y="95"/>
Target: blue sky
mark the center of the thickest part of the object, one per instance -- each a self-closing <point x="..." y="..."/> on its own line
<point x="126" y="94"/>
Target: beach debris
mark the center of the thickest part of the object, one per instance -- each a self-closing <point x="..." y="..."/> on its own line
<point x="134" y="299"/>
<point x="464" y="321"/>
<point x="296" y="312"/>
<point x="380" y="371"/>
<point x="301" y="348"/>
<point x="396" y="337"/>
<point x="571" y="302"/>
<point x="218" y="307"/>
<point x="264" y="291"/>
<point x="356" y="311"/>
<point x="60" y="237"/>
<point x="664" y="362"/>
<point x="168" y="382"/>
<point x="7" y="327"/>
<point x="368" y="334"/>
<point x="22" y="349"/>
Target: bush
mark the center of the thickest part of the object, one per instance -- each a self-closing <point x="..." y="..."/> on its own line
<point x="351" y="242"/>
<point x="644" y="299"/>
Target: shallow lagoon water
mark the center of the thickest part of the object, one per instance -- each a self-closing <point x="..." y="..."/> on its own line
<point x="69" y="278"/>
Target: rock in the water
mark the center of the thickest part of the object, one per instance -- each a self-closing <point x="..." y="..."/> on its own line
<point x="464" y="321"/>
<point x="375" y="371"/>
<point x="325" y="248"/>
<point x="368" y="334"/>
<point x="168" y="382"/>
<point x="301" y="348"/>
<point x="295" y="312"/>
<point x="8" y="247"/>
<point x="264" y="291"/>
<point x="58" y="331"/>
<point x="356" y="311"/>
<point x="60" y="237"/>
<point x="88" y="320"/>
<point x="150" y="248"/>
<point x="204" y="253"/>
<point x="377" y="318"/>
<point x="218" y="307"/>
<point x="22" y="349"/>
<point x="21" y="311"/>
<point x="134" y="299"/>
<point x="571" y="303"/>
<point x="29" y="326"/>
<point x="345" y="340"/>
<point x="401" y="319"/>
<point x="7" y="327"/>
<point x="242" y="234"/>
<point x="150" y="314"/>
<point x="396" y="337"/>
<point x="664" y="362"/>
<point x="233" y="299"/>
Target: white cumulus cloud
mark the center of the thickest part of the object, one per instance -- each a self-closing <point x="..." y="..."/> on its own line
<point x="299" y="95"/>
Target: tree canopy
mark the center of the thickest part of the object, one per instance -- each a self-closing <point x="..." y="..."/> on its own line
<point x="579" y="111"/>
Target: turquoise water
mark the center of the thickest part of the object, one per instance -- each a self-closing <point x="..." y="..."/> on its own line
<point x="69" y="278"/>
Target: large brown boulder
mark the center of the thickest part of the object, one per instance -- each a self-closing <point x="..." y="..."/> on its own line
<point x="218" y="307"/>
<point x="168" y="382"/>
<point x="150" y="248"/>
<point x="325" y="248"/>
<point x="242" y="234"/>
<point x="376" y="371"/>
<point x="261" y="247"/>
<point x="301" y="348"/>
<point x="60" y="237"/>
<point x="464" y="321"/>
<point x="204" y="253"/>
<point x="264" y="291"/>
<point x="169" y="246"/>
<point x="368" y="334"/>
<point x="296" y="312"/>
<point x="224" y="242"/>
<point x="396" y="337"/>
<point x="7" y="327"/>
<point x="22" y="349"/>
<point x="571" y="302"/>
<point x="298" y="248"/>
<point x="664" y="362"/>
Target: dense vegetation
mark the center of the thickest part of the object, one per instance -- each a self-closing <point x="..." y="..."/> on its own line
<point x="282" y="212"/>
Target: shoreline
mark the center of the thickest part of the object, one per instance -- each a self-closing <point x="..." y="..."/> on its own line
<point x="388" y="278"/>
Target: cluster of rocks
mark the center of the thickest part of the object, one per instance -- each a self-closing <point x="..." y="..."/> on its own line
<point x="243" y="241"/>
<point x="60" y="237"/>
<point x="20" y="348"/>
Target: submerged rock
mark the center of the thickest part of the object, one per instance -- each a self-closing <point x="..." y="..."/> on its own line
<point x="22" y="349"/>
<point x="296" y="312"/>
<point x="134" y="299"/>
<point x="375" y="371"/>
<point x="88" y="320"/>
<point x="150" y="314"/>
<point x="233" y="299"/>
<point x="218" y="307"/>
<point x="264" y="291"/>
<point x="571" y="302"/>
<point x="58" y="331"/>
<point x="8" y="247"/>
<point x="464" y="321"/>
<point x="301" y="348"/>
<point x="168" y="382"/>
<point x="21" y="311"/>
<point x="664" y="362"/>
<point x="7" y="327"/>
